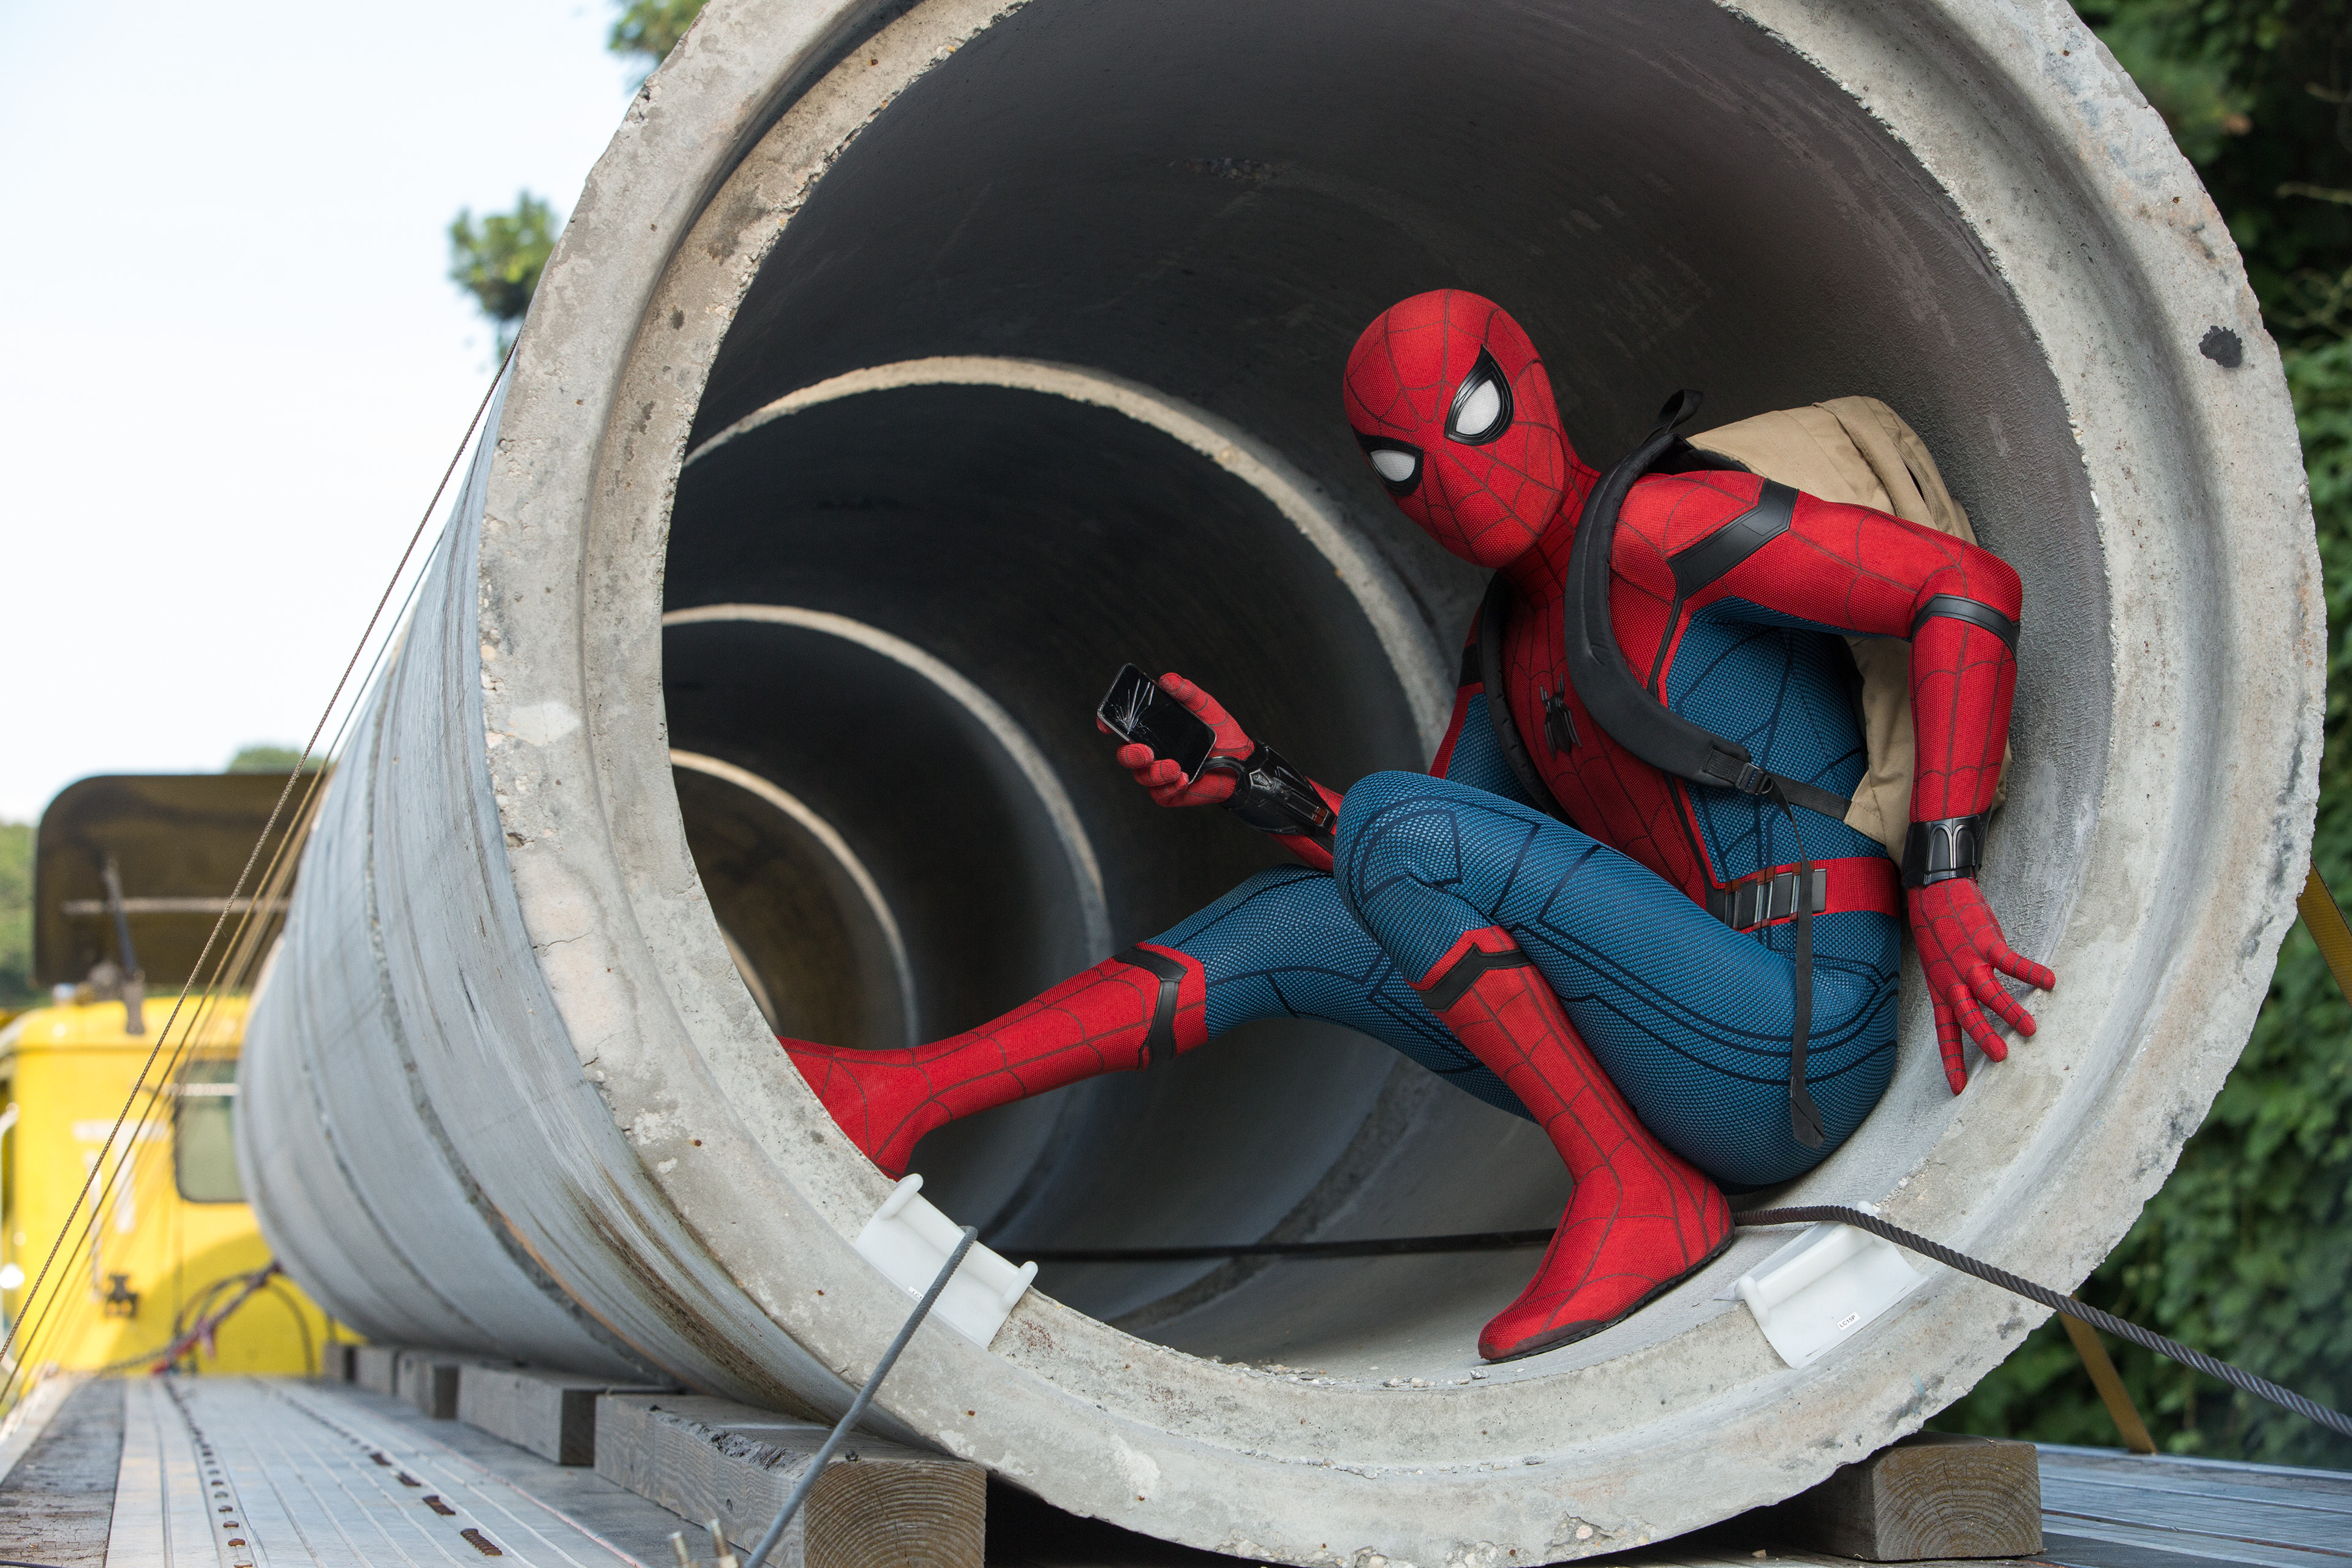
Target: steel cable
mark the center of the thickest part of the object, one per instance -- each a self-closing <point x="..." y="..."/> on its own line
<point x="12" y="1359"/>
<point x="849" y="1419"/>
<point x="1501" y="1240"/>
<point x="2260" y="1387"/>
<point x="227" y="971"/>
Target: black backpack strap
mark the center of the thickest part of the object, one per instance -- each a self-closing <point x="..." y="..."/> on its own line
<point x="1491" y="613"/>
<point x="1612" y="694"/>
<point x="1662" y="738"/>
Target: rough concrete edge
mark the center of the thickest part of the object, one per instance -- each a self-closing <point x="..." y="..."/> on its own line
<point x="1421" y="664"/>
<point x="2247" y="421"/>
<point x="625" y="1013"/>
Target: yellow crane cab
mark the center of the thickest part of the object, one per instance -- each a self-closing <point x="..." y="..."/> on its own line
<point x="124" y="1223"/>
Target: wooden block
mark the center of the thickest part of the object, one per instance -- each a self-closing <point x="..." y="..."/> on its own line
<point x="552" y="1414"/>
<point x="376" y="1368"/>
<point x="428" y="1379"/>
<point x="1932" y="1495"/>
<point x="887" y="1506"/>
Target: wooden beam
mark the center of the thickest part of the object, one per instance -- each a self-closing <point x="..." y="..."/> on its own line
<point x="376" y="1368"/>
<point x="1933" y="1495"/>
<point x="428" y="1379"/>
<point x="2324" y="916"/>
<point x="877" y="1505"/>
<point x="552" y="1414"/>
<point x="2110" y="1383"/>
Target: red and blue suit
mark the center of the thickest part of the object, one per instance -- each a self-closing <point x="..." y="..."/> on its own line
<point x="1612" y="963"/>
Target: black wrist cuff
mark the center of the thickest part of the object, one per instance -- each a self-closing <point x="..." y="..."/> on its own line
<point x="1940" y="850"/>
<point x="1272" y="796"/>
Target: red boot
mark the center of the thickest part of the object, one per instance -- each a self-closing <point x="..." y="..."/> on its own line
<point x="1146" y="1005"/>
<point x="1641" y="1216"/>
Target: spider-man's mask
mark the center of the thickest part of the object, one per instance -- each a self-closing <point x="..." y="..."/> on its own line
<point x="1454" y="413"/>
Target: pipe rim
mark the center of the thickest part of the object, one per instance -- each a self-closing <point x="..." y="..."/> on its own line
<point x="1058" y="1370"/>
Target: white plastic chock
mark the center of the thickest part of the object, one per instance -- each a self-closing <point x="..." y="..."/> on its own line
<point x="1819" y="1291"/>
<point x="908" y="1240"/>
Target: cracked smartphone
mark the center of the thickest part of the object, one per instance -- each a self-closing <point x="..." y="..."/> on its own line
<point x="1138" y="711"/>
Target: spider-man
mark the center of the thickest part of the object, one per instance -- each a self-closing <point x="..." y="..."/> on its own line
<point x="1679" y="983"/>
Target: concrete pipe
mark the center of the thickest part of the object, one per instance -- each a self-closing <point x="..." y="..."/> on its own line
<point x="906" y="367"/>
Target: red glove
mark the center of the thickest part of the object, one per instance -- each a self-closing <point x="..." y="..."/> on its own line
<point x="1960" y="945"/>
<point x="1162" y="777"/>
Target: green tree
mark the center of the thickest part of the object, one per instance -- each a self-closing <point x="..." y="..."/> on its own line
<point x="2245" y="1251"/>
<point x="269" y="759"/>
<point x="498" y="257"/>
<point x="651" y="28"/>
<point x="15" y="915"/>
<point x="2259" y="93"/>
<point x="498" y="260"/>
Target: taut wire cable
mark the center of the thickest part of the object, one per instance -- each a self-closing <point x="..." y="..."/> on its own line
<point x="1837" y="1213"/>
<point x="11" y="1359"/>
<point x="841" y="1430"/>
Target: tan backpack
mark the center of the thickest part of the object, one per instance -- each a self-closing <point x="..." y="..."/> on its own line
<point x="1859" y="452"/>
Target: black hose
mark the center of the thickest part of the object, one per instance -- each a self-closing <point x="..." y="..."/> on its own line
<point x="201" y="1302"/>
<point x="1375" y="1247"/>
<point x="312" y="1365"/>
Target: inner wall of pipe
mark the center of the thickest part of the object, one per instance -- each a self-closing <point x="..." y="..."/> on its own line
<point x="1211" y="201"/>
<point x="1030" y="544"/>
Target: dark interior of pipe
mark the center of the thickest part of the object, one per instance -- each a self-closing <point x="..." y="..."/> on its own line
<point x="1212" y="200"/>
<point x="806" y="937"/>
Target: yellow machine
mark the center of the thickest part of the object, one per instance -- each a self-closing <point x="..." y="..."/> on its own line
<point x="175" y="1238"/>
<point x="143" y="1231"/>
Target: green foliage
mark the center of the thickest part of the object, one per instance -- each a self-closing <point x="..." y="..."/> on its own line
<point x="498" y="260"/>
<point x="651" y="28"/>
<point x="2245" y="1252"/>
<point x="2194" y="94"/>
<point x="15" y="915"/>
<point x="266" y="759"/>
<point x="2259" y="93"/>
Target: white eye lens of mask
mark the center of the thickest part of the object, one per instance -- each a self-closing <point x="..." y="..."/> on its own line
<point x="1479" y="410"/>
<point x="1392" y="464"/>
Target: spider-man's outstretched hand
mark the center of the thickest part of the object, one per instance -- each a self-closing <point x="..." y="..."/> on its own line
<point x="1960" y="945"/>
<point x="1162" y="777"/>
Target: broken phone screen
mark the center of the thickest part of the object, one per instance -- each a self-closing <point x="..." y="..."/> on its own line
<point x="1138" y="712"/>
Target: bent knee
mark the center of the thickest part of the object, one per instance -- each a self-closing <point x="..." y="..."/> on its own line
<point x="1376" y="793"/>
<point x="1279" y="898"/>
<point x="1397" y="825"/>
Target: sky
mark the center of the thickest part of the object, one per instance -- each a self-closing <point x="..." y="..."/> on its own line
<point x="232" y="364"/>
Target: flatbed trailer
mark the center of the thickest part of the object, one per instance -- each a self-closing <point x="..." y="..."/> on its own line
<point x="273" y="1472"/>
